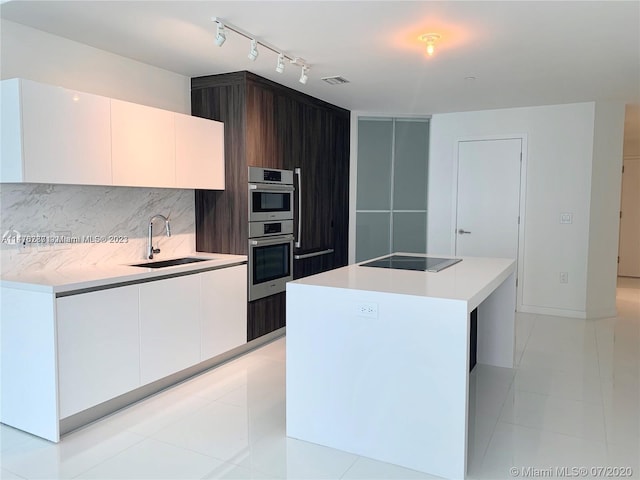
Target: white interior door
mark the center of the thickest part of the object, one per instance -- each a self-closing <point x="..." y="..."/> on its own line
<point x="629" y="248"/>
<point x="488" y="198"/>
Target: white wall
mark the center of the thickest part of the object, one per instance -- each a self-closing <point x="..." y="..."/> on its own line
<point x="32" y="209"/>
<point x="559" y="173"/>
<point x="605" y="207"/>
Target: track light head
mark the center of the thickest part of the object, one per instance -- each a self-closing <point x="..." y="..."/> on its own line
<point x="253" y="51"/>
<point x="303" y="76"/>
<point x="280" y="64"/>
<point x="221" y="35"/>
<point x="222" y="27"/>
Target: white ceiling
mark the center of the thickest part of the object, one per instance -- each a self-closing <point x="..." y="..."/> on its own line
<point x="521" y="53"/>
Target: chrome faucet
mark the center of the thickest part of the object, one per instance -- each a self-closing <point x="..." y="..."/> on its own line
<point x="150" y="249"/>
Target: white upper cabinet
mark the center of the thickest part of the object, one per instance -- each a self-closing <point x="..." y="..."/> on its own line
<point x="199" y="153"/>
<point x="143" y="145"/>
<point x="54" y="135"/>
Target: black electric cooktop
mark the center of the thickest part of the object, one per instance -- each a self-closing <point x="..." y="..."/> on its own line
<point x="407" y="262"/>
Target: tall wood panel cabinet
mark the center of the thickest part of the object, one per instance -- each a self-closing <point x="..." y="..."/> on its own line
<point x="269" y="125"/>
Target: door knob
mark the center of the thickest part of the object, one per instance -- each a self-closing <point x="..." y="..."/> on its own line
<point x="462" y="232"/>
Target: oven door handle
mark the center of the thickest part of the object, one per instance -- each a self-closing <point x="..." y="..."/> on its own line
<point x="298" y="171"/>
<point x="270" y="240"/>
<point x="268" y="187"/>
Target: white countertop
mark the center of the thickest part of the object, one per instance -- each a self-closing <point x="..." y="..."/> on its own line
<point x="69" y="279"/>
<point x="470" y="280"/>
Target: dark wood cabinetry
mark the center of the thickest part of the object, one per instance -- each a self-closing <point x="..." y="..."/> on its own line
<point x="269" y="125"/>
<point x="266" y="315"/>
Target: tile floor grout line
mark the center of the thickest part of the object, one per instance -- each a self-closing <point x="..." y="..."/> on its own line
<point x="110" y="457"/>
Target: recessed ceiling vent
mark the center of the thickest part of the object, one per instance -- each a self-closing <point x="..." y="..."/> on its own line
<point x="335" y="80"/>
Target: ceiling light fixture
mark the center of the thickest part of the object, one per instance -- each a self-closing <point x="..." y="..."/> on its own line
<point x="220" y="34"/>
<point x="222" y="27"/>
<point x="253" y="51"/>
<point x="280" y="64"/>
<point x="430" y="39"/>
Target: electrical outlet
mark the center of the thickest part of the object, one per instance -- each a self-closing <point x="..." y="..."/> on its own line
<point x="564" y="277"/>
<point x="369" y="310"/>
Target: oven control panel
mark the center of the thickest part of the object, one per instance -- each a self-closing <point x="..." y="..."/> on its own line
<point x="266" y="229"/>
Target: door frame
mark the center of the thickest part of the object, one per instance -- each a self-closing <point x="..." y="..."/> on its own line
<point x="523" y="195"/>
<point x="626" y="159"/>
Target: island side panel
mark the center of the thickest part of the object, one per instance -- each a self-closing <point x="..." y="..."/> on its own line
<point x="393" y="388"/>
<point x="29" y="365"/>
<point x="496" y="325"/>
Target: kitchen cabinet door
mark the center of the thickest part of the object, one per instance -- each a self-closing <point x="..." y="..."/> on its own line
<point x="143" y="145"/>
<point x="340" y="145"/>
<point x="223" y="310"/>
<point x="262" y="146"/>
<point x="169" y="326"/>
<point x="98" y="347"/>
<point x="321" y="188"/>
<point x="266" y="315"/>
<point x="56" y="135"/>
<point x="199" y="153"/>
<point x="315" y="182"/>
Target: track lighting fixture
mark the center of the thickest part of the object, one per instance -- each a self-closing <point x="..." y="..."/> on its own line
<point x="303" y="76"/>
<point x="280" y="64"/>
<point x="253" y="51"/>
<point x="221" y="29"/>
<point x="220" y="34"/>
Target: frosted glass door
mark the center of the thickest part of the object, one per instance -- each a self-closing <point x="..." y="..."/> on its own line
<point x="375" y="141"/>
<point x="410" y="232"/>
<point x="411" y="147"/>
<point x="391" y="200"/>
<point x="372" y="235"/>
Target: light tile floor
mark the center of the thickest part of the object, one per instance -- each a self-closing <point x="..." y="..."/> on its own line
<point x="572" y="401"/>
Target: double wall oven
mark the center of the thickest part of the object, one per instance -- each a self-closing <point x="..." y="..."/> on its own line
<point x="270" y="231"/>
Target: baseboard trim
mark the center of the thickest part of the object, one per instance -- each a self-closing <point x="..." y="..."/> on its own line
<point x="556" y="312"/>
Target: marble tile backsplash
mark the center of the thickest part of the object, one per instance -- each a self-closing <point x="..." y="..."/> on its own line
<point x="57" y="226"/>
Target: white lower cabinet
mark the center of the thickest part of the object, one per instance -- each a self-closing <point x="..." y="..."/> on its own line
<point x="98" y="347"/>
<point x="64" y="355"/>
<point x="223" y="310"/>
<point x="169" y="326"/>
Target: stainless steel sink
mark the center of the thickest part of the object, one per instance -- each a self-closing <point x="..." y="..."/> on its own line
<point x="171" y="263"/>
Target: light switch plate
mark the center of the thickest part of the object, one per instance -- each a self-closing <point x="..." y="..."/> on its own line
<point x="566" y="218"/>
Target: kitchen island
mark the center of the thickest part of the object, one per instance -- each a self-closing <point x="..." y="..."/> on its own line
<point x="378" y="358"/>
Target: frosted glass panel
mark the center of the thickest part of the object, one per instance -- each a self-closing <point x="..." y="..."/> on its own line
<point x="410" y="165"/>
<point x="392" y="179"/>
<point x="372" y="235"/>
<point x="374" y="164"/>
<point x="410" y="232"/>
